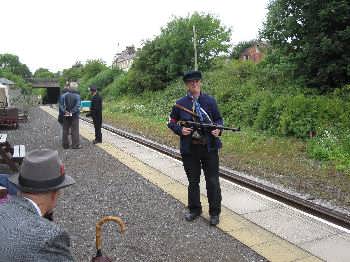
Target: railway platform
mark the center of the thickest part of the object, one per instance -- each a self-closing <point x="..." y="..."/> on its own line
<point x="149" y="191"/>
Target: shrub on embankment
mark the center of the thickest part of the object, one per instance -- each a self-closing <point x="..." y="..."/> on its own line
<point x="264" y="103"/>
<point x="252" y="96"/>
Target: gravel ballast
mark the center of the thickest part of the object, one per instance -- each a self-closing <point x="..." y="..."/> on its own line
<point x="156" y="230"/>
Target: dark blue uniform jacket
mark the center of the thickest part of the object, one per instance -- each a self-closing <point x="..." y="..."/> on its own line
<point x="96" y="108"/>
<point x="208" y="103"/>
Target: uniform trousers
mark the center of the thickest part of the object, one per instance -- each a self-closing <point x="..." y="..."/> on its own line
<point x="97" y="125"/>
<point x="198" y="159"/>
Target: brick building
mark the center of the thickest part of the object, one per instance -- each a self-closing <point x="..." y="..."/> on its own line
<point x="253" y="53"/>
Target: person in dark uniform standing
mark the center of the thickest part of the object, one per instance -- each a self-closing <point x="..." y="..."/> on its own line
<point x="199" y="147"/>
<point x="96" y="113"/>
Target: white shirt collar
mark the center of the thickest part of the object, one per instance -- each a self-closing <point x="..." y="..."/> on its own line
<point x="35" y="205"/>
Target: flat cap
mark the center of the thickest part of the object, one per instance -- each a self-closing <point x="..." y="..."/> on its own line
<point x="192" y="75"/>
<point x="93" y="88"/>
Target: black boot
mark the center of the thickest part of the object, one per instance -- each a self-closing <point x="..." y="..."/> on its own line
<point x="214" y="220"/>
<point x="190" y="216"/>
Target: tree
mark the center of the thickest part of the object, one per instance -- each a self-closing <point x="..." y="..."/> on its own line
<point x="172" y="52"/>
<point x="315" y="36"/>
<point x="93" y="67"/>
<point x="11" y="63"/>
<point x="43" y="73"/>
<point x="212" y="39"/>
<point x="72" y="74"/>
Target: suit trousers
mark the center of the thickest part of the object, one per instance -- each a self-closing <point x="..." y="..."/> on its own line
<point x="72" y="124"/>
<point x="198" y="159"/>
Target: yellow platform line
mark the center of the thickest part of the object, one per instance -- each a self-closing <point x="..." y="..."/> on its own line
<point x="265" y="243"/>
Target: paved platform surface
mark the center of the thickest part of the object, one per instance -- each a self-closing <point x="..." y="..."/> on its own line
<point x="275" y="231"/>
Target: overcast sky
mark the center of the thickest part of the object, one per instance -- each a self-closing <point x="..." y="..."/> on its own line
<point x="55" y="34"/>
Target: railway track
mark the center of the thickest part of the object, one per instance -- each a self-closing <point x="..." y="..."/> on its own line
<point x="328" y="214"/>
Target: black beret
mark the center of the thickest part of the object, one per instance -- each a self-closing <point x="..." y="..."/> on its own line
<point x="192" y="75"/>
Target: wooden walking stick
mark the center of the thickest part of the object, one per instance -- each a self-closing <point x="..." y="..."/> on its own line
<point x="99" y="257"/>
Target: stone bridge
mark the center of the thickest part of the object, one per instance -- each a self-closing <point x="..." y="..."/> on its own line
<point x="51" y="85"/>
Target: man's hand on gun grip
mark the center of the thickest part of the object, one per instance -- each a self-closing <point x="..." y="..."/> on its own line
<point x="215" y="132"/>
<point x="186" y="131"/>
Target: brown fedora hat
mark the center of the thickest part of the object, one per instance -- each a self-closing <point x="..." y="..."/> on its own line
<point x="41" y="171"/>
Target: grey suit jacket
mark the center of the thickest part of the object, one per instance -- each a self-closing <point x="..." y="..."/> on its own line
<point x="26" y="236"/>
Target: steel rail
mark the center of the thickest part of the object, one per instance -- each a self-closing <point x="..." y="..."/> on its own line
<point x="305" y="205"/>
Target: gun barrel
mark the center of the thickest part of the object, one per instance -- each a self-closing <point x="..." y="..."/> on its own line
<point x="233" y="129"/>
<point x="189" y="123"/>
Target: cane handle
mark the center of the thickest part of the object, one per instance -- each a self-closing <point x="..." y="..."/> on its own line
<point x="101" y="222"/>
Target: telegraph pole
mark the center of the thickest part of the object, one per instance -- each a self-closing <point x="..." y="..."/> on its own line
<point x="195" y="48"/>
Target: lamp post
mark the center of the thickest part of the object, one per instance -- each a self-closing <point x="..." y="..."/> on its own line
<point x="195" y="48"/>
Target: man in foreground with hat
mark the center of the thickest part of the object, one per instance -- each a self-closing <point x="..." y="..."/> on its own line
<point x="26" y="235"/>
<point x="96" y="113"/>
<point x="199" y="146"/>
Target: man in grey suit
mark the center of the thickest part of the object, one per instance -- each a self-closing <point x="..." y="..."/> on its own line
<point x="71" y="107"/>
<point x="25" y="233"/>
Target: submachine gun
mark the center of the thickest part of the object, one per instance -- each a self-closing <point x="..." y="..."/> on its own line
<point x="197" y="125"/>
<point x="206" y="125"/>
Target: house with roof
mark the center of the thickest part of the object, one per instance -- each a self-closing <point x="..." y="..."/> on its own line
<point x="253" y="53"/>
<point x="6" y="82"/>
<point x="124" y="59"/>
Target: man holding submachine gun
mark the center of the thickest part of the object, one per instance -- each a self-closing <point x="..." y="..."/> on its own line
<point x="197" y="120"/>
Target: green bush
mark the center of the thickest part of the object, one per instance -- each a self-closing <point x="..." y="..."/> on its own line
<point x="231" y="80"/>
<point x="333" y="112"/>
<point x="250" y="108"/>
<point x="117" y="88"/>
<point x="104" y="78"/>
<point x="299" y="116"/>
<point x="100" y="80"/>
<point x="270" y="111"/>
<point x="332" y="146"/>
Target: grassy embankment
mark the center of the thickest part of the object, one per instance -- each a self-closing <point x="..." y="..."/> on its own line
<point x="259" y="151"/>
